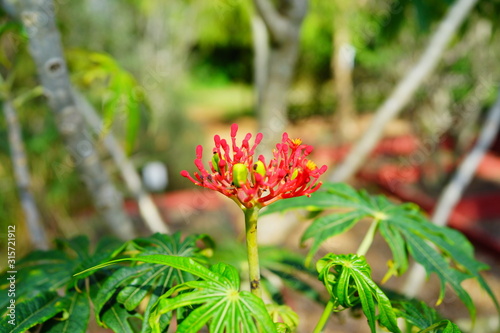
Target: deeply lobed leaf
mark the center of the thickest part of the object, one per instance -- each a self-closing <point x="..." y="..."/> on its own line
<point x="221" y="305"/>
<point x="129" y="286"/>
<point x="349" y="283"/>
<point x="406" y="230"/>
<point x="34" y="311"/>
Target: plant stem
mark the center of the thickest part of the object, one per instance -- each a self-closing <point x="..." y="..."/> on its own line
<point x="367" y="241"/>
<point x="251" y="217"/>
<point x="324" y="317"/>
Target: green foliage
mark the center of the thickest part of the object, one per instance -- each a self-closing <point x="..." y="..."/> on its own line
<point x="41" y="273"/>
<point x="405" y="229"/>
<point x="129" y="286"/>
<point x="348" y="281"/>
<point x="117" y="318"/>
<point x="282" y="264"/>
<point x="220" y="19"/>
<point x="316" y="40"/>
<point x="75" y="318"/>
<point x="35" y="311"/>
<point x="283" y="314"/>
<point x="116" y="293"/>
<point x="163" y="278"/>
<point x="222" y="306"/>
<point x="120" y="94"/>
<point x="418" y="314"/>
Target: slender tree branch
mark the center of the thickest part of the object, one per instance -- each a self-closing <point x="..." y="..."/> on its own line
<point x="23" y="179"/>
<point x="341" y="63"/>
<point x="401" y="95"/>
<point x="280" y="63"/>
<point x="277" y="25"/>
<point x="47" y="52"/>
<point x="260" y="39"/>
<point x="455" y="188"/>
<point x="147" y="207"/>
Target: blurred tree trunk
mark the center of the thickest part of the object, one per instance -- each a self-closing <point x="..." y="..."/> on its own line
<point x="342" y="64"/>
<point x="405" y="89"/>
<point x="283" y="24"/>
<point x="260" y="39"/>
<point x="23" y="179"/>
<point x="46" y="49"/>
<point x="147" y="207"/>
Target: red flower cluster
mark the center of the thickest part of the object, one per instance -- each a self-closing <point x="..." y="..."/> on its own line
<point x="234" y="173"/>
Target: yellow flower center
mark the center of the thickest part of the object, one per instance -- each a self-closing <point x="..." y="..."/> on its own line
<point x="297" y="142"/>
<point x="311" y="165"/>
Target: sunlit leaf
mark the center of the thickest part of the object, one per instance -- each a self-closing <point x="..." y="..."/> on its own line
<point x="76" y="318"/>
<point x="348" y="281"/>
<point x="418" y="314"/>
<point x="404" y="227"/>
<point x="117" y="318"/>
<point x="129" y="286"/>
<point x="220" y="303"/>
<point x="43" y="272"/>
<point x="33" y="312"/>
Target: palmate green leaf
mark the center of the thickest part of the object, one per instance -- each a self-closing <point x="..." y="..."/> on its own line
<point x="405" y="229"/>
<point x="106" y="248"/>
<point x="337" y="195"/>
<point x="76" y="318"/>
<point x="118" y="318"/>
<point x="444" y="326"/>
<point x="34" y="311"/>
<point x="217" y="294"/>
<point x="348" y="281"/>
<point x="353" y="206"/>
<point x="221" y="305"/>
<point x="130" y="285"/>
<point x="49" y="271"/>
<point x="109" y="287"/>
<point x="38" y="272"/>
<point x="453" y="260"/>
<point x="418" y="314"/>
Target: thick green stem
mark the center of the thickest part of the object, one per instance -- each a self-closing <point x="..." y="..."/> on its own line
<point x="368" y="240"/>
<point x="324" y="317"/>
<point x="251" y="217"/>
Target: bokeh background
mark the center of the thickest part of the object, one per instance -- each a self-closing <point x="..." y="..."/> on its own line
<point x="165" y="76"/>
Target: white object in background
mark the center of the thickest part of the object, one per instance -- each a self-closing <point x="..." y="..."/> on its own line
<point x="155" y="176"/>
<point x="348" y="55"/>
